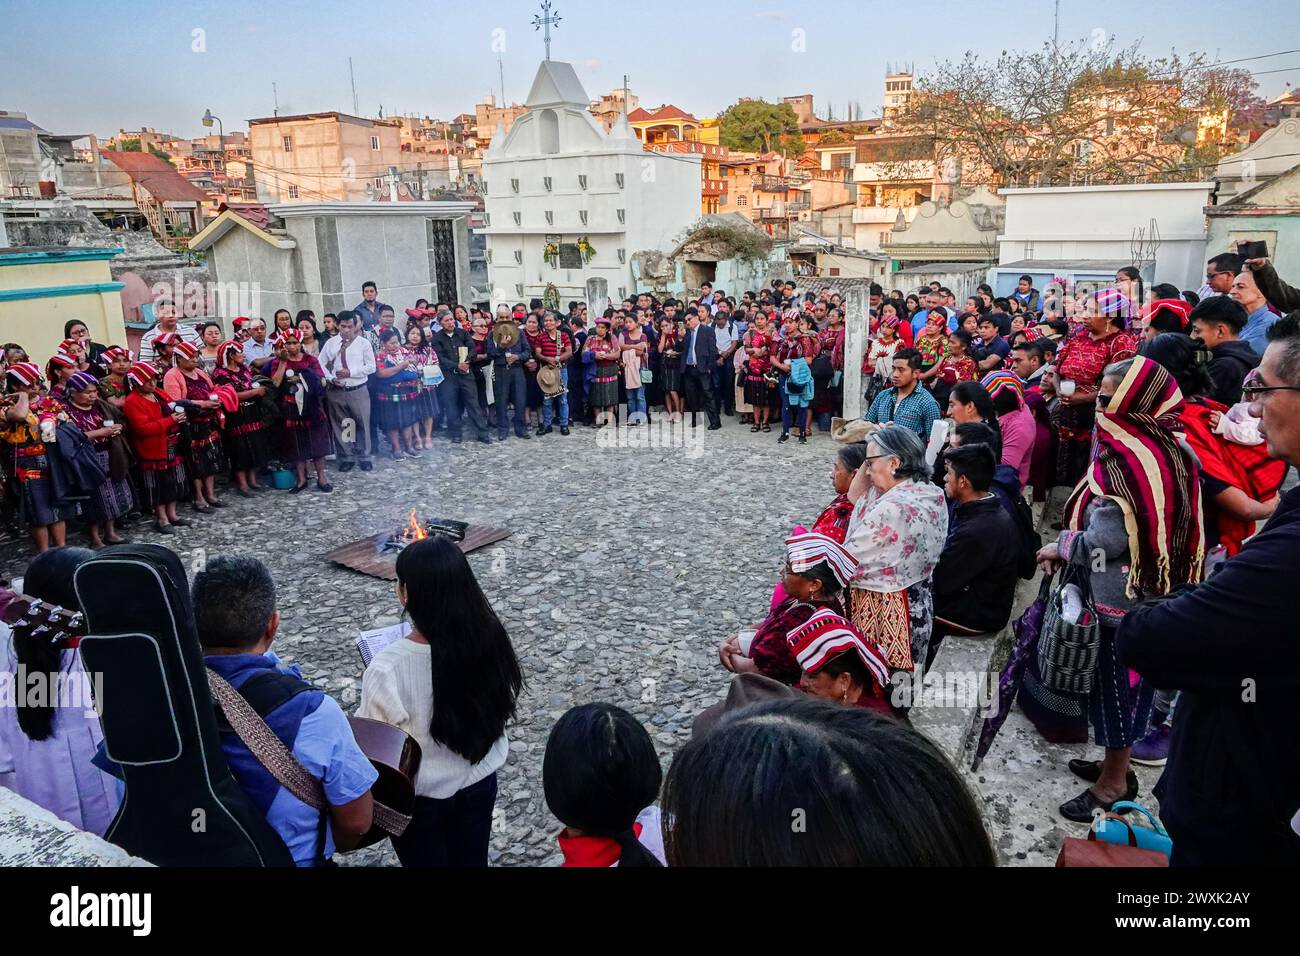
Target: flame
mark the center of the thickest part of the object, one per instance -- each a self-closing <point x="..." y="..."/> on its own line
<point x="414" y="531"/>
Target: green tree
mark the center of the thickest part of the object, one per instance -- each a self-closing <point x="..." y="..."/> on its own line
<point x="133" y="146"/>
<point x="759" y="126"/>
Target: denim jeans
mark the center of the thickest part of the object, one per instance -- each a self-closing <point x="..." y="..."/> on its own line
<point x="636" y="405"/>
<point x="548" y="413"/>
<point x="785" y="403"/>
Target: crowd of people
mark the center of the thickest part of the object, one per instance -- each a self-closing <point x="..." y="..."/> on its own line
<point x="1171" y="429"/>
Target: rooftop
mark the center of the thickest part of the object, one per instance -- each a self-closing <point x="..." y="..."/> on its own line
<point x="153" y="174"/>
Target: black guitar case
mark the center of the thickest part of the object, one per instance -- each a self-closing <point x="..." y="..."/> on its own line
<point x="181" y="807"/>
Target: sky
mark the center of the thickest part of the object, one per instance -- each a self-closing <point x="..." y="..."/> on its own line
<point x="95" y="67"/>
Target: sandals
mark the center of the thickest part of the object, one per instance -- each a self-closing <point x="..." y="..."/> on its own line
<point x="767" y="427"/>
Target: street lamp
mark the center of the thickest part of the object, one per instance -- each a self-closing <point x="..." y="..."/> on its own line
<point x="208" y="119"/>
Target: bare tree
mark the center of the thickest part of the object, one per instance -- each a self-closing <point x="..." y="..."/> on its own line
<point x="1079" y="113"/>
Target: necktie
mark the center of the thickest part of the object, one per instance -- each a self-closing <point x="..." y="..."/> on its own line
<point x="343" y="357"/>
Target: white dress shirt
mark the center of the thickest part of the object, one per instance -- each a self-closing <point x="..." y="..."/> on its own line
<point x="360" y="359"/>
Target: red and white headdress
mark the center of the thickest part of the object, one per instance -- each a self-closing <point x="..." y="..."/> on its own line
<point x="224" y="350"/>
<point x="141" y="373"/>
<point x="115" y="352"/>
<point x="825" y="636"/>
<point x="168" y="338"/>
<point x="812" y="548"/>
<point x="67" y="345"/>
<point x="187" y="350"/>
<point x="289" y="335"/>
<point x="26" y="373"/>
<point x="63" y="360"/>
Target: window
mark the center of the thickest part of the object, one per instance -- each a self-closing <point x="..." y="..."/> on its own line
<point x="293" y="192"/>
<point x="742" y="200"/>
<point x="374" y="142"/>
<point x="549" y="131"/>
<point x="844" y="161"/>
<point x="288" y="143"/>
<point x="379" y="182"/>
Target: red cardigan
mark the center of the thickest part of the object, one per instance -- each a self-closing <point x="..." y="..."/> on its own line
<point x="149" y="424"/>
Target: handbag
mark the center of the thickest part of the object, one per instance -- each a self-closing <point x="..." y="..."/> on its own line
<point x="1067" y="652"/>
<point x="1076" y="852"/>
<point x="1112" y="828"/>
<point x="647" y="376"/>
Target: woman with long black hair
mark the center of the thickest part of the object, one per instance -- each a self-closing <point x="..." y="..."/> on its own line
<point x="52" y="741"/>
<point x="601" y="777"/>
<point x="452" y="684"/>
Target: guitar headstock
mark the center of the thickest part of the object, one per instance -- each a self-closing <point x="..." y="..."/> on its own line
<point x="35" y="618"/>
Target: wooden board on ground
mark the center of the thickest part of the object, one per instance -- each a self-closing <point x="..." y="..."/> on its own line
<point x="367" y="557"/>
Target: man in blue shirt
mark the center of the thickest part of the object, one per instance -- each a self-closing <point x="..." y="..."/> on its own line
<point x="234" y="612"/>
<point x="369" y="307"/>
<point x="1259" y="317"/>
<point x="907" y="403"/>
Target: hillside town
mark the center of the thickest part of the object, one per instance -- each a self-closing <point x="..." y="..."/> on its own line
<point x="578" y="481"/>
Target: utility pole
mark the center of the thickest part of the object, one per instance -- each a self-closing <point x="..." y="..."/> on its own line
<point x="356" y="108"/>
<point x="501" y="71"/>
<point x="1056" y="25"/>
<point x="275" y="100"/>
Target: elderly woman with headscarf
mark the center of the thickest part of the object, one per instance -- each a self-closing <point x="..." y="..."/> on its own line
<point x="1133" y="526"/>
<point x="896" y="534"/>
<point x="1079" y="364"/>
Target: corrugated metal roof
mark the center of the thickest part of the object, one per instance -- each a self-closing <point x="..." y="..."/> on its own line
<point x="155" y="176"/>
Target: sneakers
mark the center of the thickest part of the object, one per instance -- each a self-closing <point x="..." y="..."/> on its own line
<point x="1153" y="749"/>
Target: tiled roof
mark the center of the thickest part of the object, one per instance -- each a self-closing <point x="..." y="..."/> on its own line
<point x="663" y="114"/>
<point x="152" y="174"/>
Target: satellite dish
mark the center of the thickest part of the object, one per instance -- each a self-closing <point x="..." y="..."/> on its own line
<point x="958" y="208"/>
<point x="927" y="209"/>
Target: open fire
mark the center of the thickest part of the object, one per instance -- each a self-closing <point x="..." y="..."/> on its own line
<point x="416" y="529"/>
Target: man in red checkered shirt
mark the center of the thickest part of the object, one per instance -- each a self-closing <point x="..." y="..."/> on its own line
<point x="553" y="346"/>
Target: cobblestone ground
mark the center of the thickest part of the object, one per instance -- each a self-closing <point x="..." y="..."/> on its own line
<point x="625" y="568"/>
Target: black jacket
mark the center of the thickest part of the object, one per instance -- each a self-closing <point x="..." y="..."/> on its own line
<point x="1232" y="360"/>
<point x="706" y="348"/>
<point x="975" y="580"/>
<point x="1231" y="645"/>
<point x="447" y="348"/>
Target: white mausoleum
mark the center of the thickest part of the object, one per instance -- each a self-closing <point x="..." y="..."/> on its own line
<point x="567" y="201"/>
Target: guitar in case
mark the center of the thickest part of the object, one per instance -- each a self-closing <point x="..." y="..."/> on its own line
<point x="181" y="806"/>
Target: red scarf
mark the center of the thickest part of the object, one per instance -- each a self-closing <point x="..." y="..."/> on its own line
<point x="592" y="851"/>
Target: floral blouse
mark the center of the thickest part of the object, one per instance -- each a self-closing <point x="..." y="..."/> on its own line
<point x="897" y="536"/>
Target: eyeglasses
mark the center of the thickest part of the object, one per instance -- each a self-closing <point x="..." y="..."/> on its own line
<point x="1252" y="387"/>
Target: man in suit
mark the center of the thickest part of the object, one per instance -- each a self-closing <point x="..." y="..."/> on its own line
<point x="699" y="359"/>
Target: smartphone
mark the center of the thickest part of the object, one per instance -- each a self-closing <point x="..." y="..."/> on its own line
<point x="1253" y="249"/>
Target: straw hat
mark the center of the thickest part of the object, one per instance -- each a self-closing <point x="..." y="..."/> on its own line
<point x="505" y="333"/>
<point x="550" y="381"/>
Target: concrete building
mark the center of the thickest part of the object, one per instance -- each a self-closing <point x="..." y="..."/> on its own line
<point x="317" y="255"/>
<point x="323" y="157"/>
<point x="964" y="230"/>
<point x="567" y="201"/>
<point x="1272" y="155"/>
<point x="41" y="288"/>
<point x="1268" y="211"/>
<point x="1159" y="227"/>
